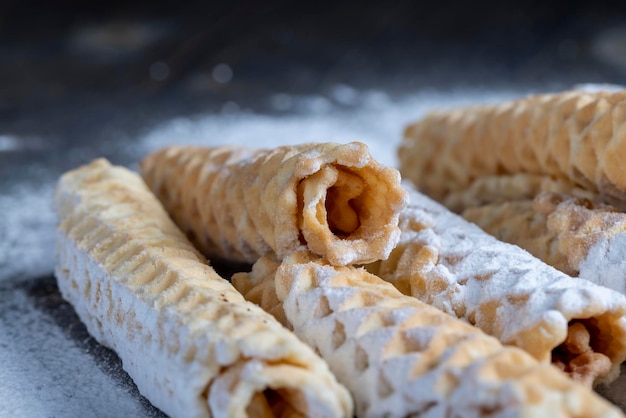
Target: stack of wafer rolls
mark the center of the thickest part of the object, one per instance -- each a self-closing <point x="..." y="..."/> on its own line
<point x="400" y="357"/>
<point x="547" y="173"/>
<point x="189" y="340"/>
<point x="240" y="204"/>
<point x="449" y="263"/>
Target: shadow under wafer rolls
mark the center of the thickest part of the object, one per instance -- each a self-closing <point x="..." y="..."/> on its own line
<point x="577" y="136"/>
<point x="449" y="263"/>
<point x="400" y="357"/>
<point x="240" y="204"/>
<point x="189" y="340"/>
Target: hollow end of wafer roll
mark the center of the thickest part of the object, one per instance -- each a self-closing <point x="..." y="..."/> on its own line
<point x="348" y="207"/>
<point x="266" y="390"/>
<point x="555" y="318"/>
<point x="187" y="338"/>
<point x="593" y="350"/>
<point x="400" y="357"/>
<point x="590" y="349"/>
<point x="335" y="200"/>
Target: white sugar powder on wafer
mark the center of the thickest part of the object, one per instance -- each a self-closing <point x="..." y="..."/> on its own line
<point x="452" y="264"/>
<point x="605" y="263"/>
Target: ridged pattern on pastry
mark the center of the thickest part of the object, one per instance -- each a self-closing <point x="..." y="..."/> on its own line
<point x="400" y="357"/>
<point x="241" y="204"/>
<point x="449" y="263"/>
<point x="578" y="136"/>
<point x="189" y="340"/>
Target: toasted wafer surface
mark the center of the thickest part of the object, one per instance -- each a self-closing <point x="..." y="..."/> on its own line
<point x="400" y="357"/>
<point x="578" y="136"/>
<point x="191" y="343"/>
<point x="511" y="188"/>
<point x="240" y="204"/>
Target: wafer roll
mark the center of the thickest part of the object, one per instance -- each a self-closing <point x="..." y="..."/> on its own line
<point x="400" y="357"/>
<point x="239" y="204"/>
<point x="507" y="188"/>
<point x="453" y="265"/>
<point x="191" y="343"/>
<point x="577" y="236"/>
<point x="577" y="136"/>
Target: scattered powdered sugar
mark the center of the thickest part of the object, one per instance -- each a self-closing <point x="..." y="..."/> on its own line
<point x="598" y="87"/>
<point x="46" y="375"/>
<point x="26" y="233"/>
<point x="377" y="120"/>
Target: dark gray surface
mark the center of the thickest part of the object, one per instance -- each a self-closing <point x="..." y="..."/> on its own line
<point x="69" y="96"/>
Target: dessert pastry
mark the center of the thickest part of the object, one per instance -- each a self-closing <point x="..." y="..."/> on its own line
<point x="576" y="136"/>
<point x="580" y="237"/>
<point x="449" y="263"/>
<point x="240" y="204"/>
<point x="189" y="340"/>
<point x="508" y="188"/>
<point x="400" y="357"/>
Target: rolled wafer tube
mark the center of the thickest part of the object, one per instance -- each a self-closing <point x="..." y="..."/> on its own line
<point x="580" y="237"/>
<point x="189" y="340"/>
<point x="507" y="188"/>
<point x="240" y="204"/>
<point x="400" y="357"/>
<point x="449" y="263"/>
<point x="575" y="135"/>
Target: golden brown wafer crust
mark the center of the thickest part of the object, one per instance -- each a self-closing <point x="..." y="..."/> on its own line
<point x="575" y="136"/>
<point x="399" y="356"/>
<point x="510" y="188"/>
<point x="241" y="204"/>
<point x="191" y="343"/>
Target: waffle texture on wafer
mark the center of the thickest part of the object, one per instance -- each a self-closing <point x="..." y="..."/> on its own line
<point x="239" y="204"/>
<point x="189" y="340"/>
<point x="400" y="357"/>
<point x="583" y="238"/>
<point x="449" y="263"/>
<point x="578" y="136"/>
<point x="509" y="188"/>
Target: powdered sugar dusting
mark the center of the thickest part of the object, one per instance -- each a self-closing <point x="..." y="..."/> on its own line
<point x="34" y="361"/>
<point x="377" y="119"/>
<point x="605" y="263"/>
<point x="26" y="233"/>
<point x="499" y="287"/>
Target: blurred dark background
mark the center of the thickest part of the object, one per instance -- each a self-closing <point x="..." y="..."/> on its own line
<point x="60" y="56"/>
<point x="82" y="72"/>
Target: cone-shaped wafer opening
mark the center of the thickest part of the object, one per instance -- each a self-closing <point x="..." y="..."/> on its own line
<point x="343" y="205"/>
<point x="348" y="211"/>
<point x="272" y="403"/>
<point x="271" y="390"/>
<point x="241" y="204"/>
<point x="590" y="354"/>
<point x="331" y="202"/>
